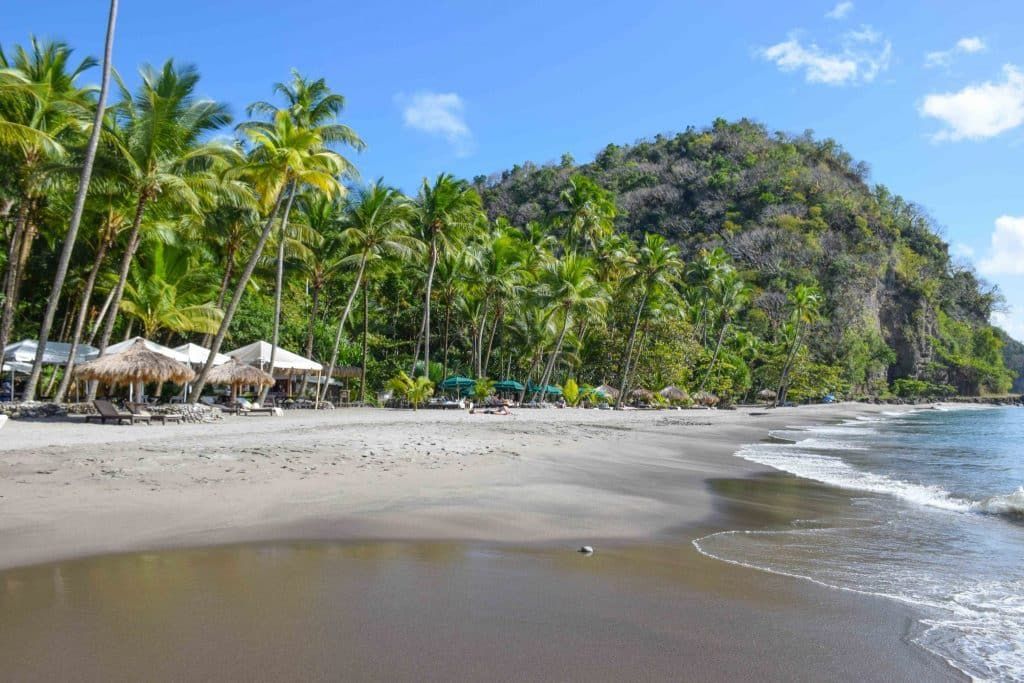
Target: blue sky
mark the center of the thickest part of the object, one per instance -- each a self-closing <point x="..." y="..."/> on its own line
<point x="929" y="93"/>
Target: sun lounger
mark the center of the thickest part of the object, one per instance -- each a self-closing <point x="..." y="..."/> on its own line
<point x="107" y="411"/>
<point x="139" y="410"/>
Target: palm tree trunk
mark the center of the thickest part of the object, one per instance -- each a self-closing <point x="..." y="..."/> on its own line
<point x="546" y="377"/>
<point x="780" y="395"/>
<point x="118" y="292"/>
<point x="341" y="328"/>
<point x="79" y="208"/>
<point x="13" y="276"/>
<point x="366" y="345"/>
<point x="447" y="326"/>
<point x="624" y="381"/>
<point x="714" y="356"/>
<point x="478" y="343"/>
<point x="279" y="285"/>
<point x="236" y="298"/>
<point x="100" y="317"/>
<point x="490" y="340"/>
<point x="83" y="312"/>
<point x="225" y="282"/>
<point x="529" y="374"/>
<point x="309" y="335"/>
<point x="426" y="309"/>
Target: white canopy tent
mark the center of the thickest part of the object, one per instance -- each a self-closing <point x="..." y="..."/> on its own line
<point x="57" y="353"/>
<point x="152" y="346"/>
<point x="286" y="364"/>
<point x="197" y="354"/>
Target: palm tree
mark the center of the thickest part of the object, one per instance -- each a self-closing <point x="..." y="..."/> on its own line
<point x="444" y="209"/>
<point x="41" y="108"/>
<point x="805" y="303"/>
<point x="657" y="266"/>
<point x="376" y="225"/>
<point x="588" y="213"/>
<point x="313" y="107"/>
<point x="701" y="276"/>
<point x="730" y="294"/>
<point x="285" y="156"/>
<point x="568" y="286"/>
<point x="159" y="140"/>
<point x="76" y="213"/>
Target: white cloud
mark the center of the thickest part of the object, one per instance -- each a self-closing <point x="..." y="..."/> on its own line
<point x="863" y="54"/>
<point x="979" y="111"/>
<point x="962" y="250"/>
<point x="965" y="46"/>
<point x="839" y="11"/>
<point x="438" y="114"/>
<point x="1006" y="256"/>
<point x="1012" y="325"/>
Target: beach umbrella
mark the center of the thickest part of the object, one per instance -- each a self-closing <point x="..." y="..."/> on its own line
<point x="674" y="393"/>
<point x="767" y="395"/>
<point x="608" y="390"/>
<point x="135" y="366"/>
<point x="705" y="398"/>
<point x="457" y="382"/>
<point x="508" y="385"/>
<point x="237" y="374"/>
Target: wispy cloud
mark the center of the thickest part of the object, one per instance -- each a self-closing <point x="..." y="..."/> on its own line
<point x="979" y="111"/>
<point x="862" y="55"/>
<point x="962" y="250"/>
<point x="964" y="46"/>
<point x="840" y="11"/>
<point x="441" y="114"/>
<point x="1006" y="254"/>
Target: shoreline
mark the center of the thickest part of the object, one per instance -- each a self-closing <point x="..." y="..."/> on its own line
<point x="633" y="484"/>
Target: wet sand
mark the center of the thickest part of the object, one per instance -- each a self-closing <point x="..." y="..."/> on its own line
<point x="496" y="593"/>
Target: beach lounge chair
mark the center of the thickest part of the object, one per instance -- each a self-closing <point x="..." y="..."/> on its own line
<point x="139" y="410"/>
<point x="107" y="411"/>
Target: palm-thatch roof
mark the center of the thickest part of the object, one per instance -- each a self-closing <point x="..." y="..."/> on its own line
<point x="705" y="398"/>
<point x="641" y="394"/>
<point x="608" y="390"/>
<point x="348" y="371"/>
<point x="235" y="373"/>
<point x="767" y="394"/>
<point x="674" y="393"/>
<point x="135" y="364"/>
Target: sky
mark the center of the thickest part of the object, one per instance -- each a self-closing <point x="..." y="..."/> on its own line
<point x="930" y="93"/>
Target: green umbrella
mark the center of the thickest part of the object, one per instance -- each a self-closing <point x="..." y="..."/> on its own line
<point x="457" y="382"/>
<point x="508" y="385"/>
<point x="551" y="389"/>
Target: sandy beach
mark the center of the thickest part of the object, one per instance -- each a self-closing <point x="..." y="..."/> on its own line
<point x="637" y="485"/>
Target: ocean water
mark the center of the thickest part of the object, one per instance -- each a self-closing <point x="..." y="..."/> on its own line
<point x="936" y="521"/>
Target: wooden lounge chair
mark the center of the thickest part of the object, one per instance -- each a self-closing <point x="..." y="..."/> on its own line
<point x="139" y="410"/>
<point x="107" y="411"/>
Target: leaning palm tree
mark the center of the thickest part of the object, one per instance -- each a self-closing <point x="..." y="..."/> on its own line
<point x="730" y="294"/>
<point x="805" y="303"/>
<point x="159" y="140"/>
<point x="285" y="156"/>
<point x="41" y="109"/>
<point x="311" y="106"/>
<point x="444" y="208"/>
<point x="569" y="287"/>
<point x="76" y="213"/>
<point x="657" y="267"/>
<point x="376" y="225"/>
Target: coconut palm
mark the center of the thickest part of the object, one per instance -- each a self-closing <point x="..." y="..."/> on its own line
<point x="730" y="293"/>
<point x="805" y="305"/>
<point x="657" y="267"/>
<point x="159" y="139"/>
<point x="588" y="213"/>
<point x="41" y="109"/>
<point x="569" y="287"/>
<point x="76" y="213"/>
<point x="444" y="209"/>
<point x="285" y="156"/>
<point x="376" y="225"/>
<point x="312" y="106"/>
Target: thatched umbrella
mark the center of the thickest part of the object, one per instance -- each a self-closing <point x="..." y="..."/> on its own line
<point x="705" y="398"/>
<point x="135" y="366"/>
<point x="674" y="394"/>
<point x="641" y="395"/>
<point x="608" y="390"/>
<point x="767" y="395"/>
<point x="236" y="374"/>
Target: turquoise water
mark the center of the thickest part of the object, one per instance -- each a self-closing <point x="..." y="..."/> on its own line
<point x="937" y="521"/>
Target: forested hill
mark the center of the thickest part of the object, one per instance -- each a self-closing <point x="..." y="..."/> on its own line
<point x="789" y="211"/>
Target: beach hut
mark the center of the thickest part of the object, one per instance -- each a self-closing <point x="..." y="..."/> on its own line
<point x="237" y="374"/>
<point x="135" y="366"/>
<point x="705" y="398"/>
<point x="607" y="390"/>
<point x="641" y="396"/>
<point x="197" y="355"/>
<point x="767" y="395"/>
<point x="674" y="394"/>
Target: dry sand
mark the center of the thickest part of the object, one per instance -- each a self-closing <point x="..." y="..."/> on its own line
<point x="550" y="479"/>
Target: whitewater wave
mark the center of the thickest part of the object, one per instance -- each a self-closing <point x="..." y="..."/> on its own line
<point x="1009" y="505"/>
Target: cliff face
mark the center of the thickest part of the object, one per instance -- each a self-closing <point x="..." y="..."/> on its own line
<point x="792" y="210"/>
